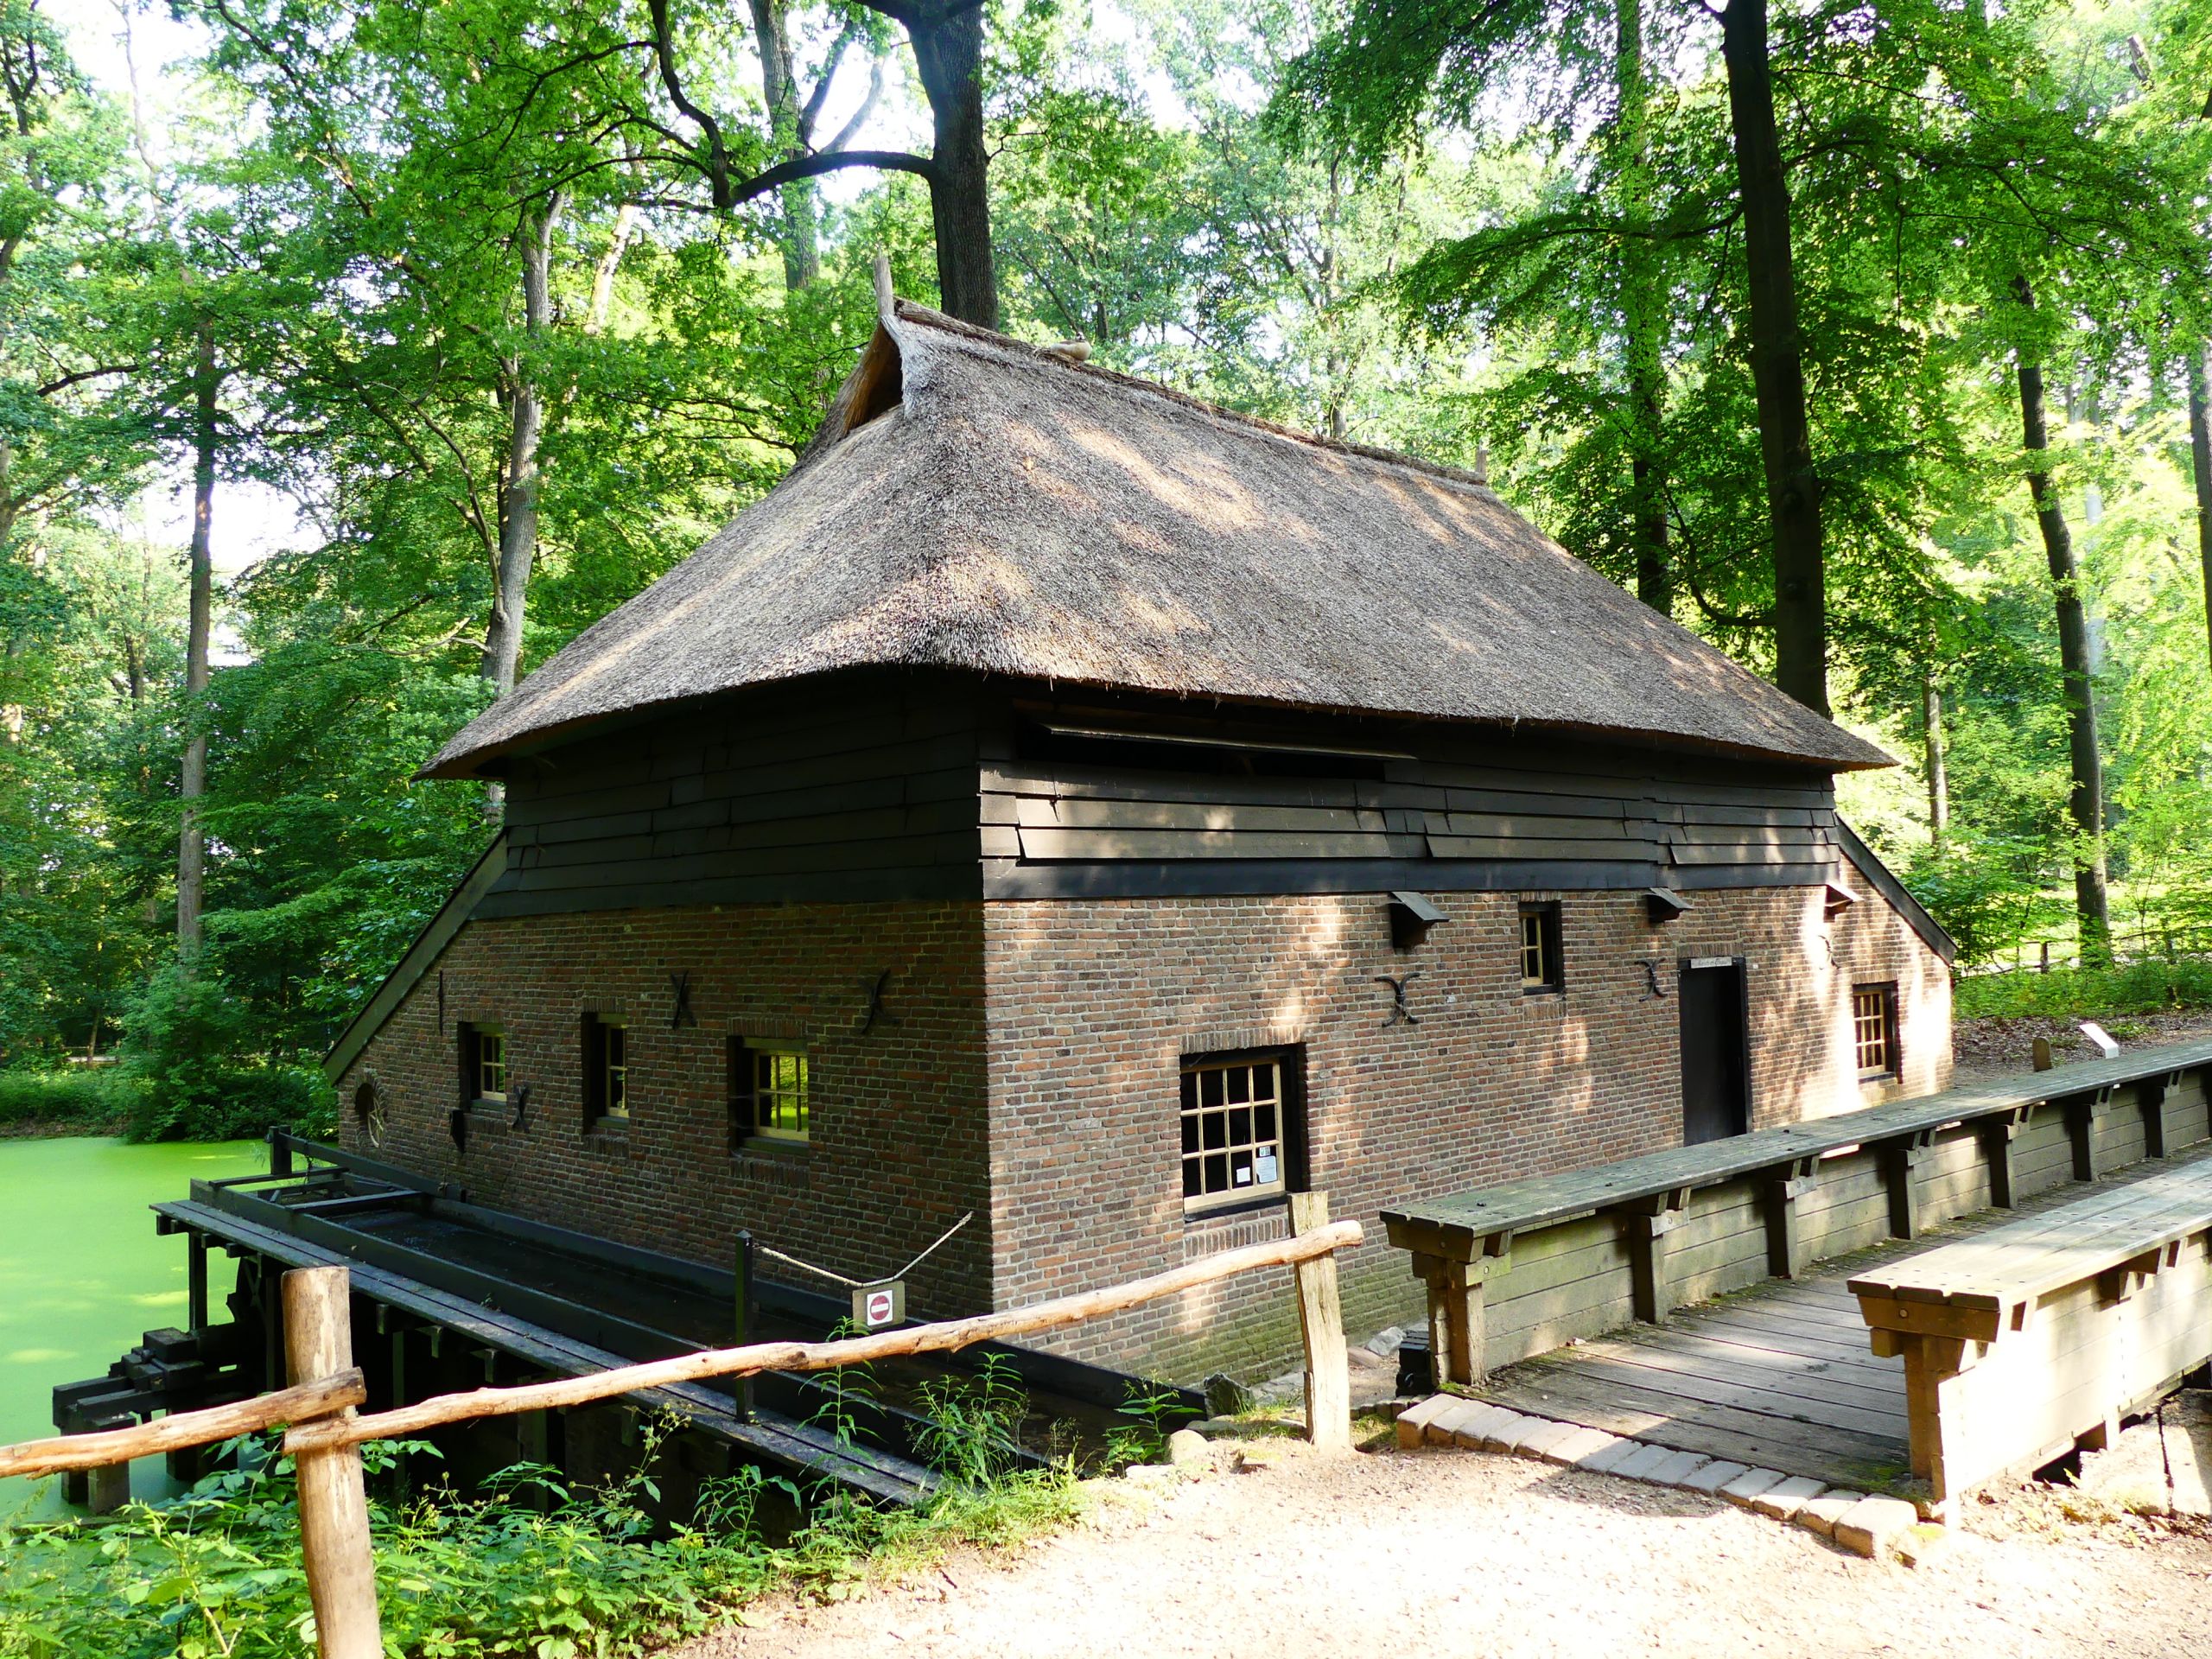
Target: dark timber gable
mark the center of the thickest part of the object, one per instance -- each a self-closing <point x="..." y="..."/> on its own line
<point x="887" y="784"/>
<point x="849" y="787"/>
<point x="1089" y="798"/>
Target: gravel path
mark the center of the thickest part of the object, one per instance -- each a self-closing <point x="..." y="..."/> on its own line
<point x="1477" y="1557"/>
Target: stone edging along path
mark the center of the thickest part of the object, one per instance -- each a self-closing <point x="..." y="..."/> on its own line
<point x="1873" y="1527"/>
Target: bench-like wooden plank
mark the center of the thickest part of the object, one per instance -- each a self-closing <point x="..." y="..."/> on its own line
<point x="2031" y="1337"/>
<point x="1544" y="1200"/>
<point x="2029" y="1258"/>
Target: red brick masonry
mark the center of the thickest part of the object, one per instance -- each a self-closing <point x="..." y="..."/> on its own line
<point x="1025" y="1065"/>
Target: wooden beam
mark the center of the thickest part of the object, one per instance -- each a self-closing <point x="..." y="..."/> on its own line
<point x="821" y="1356"/>
<point x="1321" y="1323"/>
<point x="2152" y="1095"/>
<point x="2082" y="1131"/>
<point x="195" y="1282"/>
<point x="1786" y="1250"/>
<point x="1901" y="1162"/>
<point x="334" y="1548"/>
<point x="184" y="1428"/>
<point x="1998" y="1134"/>
<point x="1649" y="1224"/>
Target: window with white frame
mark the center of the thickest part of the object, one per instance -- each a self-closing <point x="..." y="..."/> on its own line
<point x="483" y="1063"/>
<point x="1874" y="1029"/>
<point x="1540" y="947"/>
<point x="607" y="1071"/>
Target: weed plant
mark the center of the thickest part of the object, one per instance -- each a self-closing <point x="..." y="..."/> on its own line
<point x="531" y="1566"/>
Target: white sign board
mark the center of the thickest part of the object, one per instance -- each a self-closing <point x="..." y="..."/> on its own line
<point x="2100" y="1039"/>
<point x="878" y="1308"/>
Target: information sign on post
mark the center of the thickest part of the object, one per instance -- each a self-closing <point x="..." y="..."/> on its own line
<point x="879" y="1306"/>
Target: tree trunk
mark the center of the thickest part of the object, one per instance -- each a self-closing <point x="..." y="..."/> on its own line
<point x="610" y="261"/>
<point x="949" y="54"/>
<point x="2199" y="454"/>
<point x="1939" y="777"/>
<point x="192" y="840"/>
<point x="1642" y="314"/>
<point x="2086" y="804"/>
<point x="519" y="483"/>
<point x="787" y="142"/>
<point x="1793" y="492"/>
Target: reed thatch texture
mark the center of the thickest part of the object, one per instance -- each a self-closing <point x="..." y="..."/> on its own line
<point x="1012" y="512"/>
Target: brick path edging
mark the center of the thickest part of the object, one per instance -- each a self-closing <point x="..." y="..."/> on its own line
<point x="1871" y="1526"/>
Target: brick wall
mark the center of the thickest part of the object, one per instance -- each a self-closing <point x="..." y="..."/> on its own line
<point x="897" y="1151"/>
<point x="1073" y="1161"/>
<point x="1095" y="1002"/>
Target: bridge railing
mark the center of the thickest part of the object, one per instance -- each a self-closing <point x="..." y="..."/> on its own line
<point x="1518" y="1269"/>
<point x="325" y="1433"/>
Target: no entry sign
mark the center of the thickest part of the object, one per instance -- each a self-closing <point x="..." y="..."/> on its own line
<point x="876" y="1307"/>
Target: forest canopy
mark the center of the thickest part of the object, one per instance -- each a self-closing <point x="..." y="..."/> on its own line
<point x="1868" y="340"/>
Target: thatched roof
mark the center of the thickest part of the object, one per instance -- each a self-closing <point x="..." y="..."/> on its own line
<point x="976" y="503"/>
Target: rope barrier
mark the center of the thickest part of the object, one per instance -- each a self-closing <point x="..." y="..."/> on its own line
<point x="835" y="1277"/>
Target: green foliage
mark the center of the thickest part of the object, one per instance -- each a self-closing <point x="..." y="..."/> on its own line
<point x="2151" y="986"/>
<point x="974" y="1428"/>
<point x="86" y="1101"/>
<point x="185" y="1034"/>
<point x="531" y="1566"/>
<point x="1989" y="892"/>
<point x="1148" y="1413"/>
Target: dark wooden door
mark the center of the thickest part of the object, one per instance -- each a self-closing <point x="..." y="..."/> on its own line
<point x="1716" y="1084"/>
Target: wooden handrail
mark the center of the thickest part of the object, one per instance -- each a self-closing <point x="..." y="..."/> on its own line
<point x="186" y="1428"/>
<point x="818" y="1356"/>
<point x="325" y="1437"/>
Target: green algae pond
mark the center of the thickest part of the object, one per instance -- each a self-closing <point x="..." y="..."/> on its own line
<point x="82" y="1273"/>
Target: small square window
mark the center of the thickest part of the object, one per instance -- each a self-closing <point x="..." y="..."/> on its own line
<point x="483" y="1063"/>
<point x="768" y="1093"/>
<point x="607" y="1071"/>
<point x="1540" y="947"/>
<point x="1238" y="1118"/>
<point x="1874" y="1030"/>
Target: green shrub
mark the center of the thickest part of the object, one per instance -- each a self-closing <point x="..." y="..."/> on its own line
<point x="185" y="1039"/>
<point x="95" y="1101"/>
<point x="2102" y="993"/>
<point x="1987" y="890"/>
<point x="533" y="1568"/>
<point x="222" y="1103"/>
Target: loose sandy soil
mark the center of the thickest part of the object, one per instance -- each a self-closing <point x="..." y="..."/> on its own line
<point x="1459" y="1555"/>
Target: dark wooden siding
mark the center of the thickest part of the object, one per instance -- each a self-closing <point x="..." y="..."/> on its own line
<point x="880" y="786"/>
<point x="1436" y="807"/>
<point x="859" y="788"/>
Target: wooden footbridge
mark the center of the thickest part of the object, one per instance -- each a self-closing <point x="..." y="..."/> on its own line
<point x="1773" y="1299"/>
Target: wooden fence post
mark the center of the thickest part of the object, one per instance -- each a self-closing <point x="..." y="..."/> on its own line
<point x="1321" y="1319"/>
<point x="341" y="1570"/>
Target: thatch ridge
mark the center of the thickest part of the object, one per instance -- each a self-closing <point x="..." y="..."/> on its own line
<point x="1016" y="513"/>
<point x="910" y="311"/>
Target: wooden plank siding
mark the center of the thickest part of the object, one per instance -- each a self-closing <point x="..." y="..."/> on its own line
<point x="859" y="788"/>
<point x="879" y="786"/>
<point x="1451" y="808"/>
